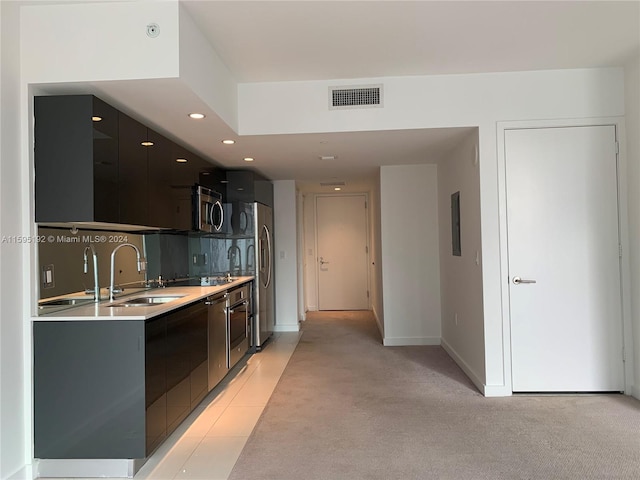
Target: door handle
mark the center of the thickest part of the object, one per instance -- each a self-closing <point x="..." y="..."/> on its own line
<point x="322" y="262"/>
<point x="518" y="281"/>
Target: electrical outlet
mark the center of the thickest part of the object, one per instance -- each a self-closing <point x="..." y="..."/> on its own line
<point x="47" y="276"/>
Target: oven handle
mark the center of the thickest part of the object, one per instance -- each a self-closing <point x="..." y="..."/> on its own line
<point x="216" y="300"/>
<point x="242" y="303"/>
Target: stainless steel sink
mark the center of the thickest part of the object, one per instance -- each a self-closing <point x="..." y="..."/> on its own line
<point x="146" y="301"/>
<point x="63" y="301"/>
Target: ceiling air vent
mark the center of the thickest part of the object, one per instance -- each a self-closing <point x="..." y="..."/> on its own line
<point x="355" y="97"/>
<point x="332" y="184"/>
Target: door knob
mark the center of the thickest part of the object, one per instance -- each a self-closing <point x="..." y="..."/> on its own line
<point x="322" y="262"/>
<point x="518" y="281"/>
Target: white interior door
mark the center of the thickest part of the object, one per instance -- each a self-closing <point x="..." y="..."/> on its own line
<point x="562" y="218"/>
<point x="341" y="233"/>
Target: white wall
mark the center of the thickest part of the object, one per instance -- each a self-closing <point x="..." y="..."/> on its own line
<point x="205" y="74"/>
<point x="448" y="101"/>
<point x="94" y="41"/>
<point x="14" y="403"/>
<point x="632" y="124"/>
<point x="286" y="255"/>
<point x="461" y="276"/>
<point x="410" y="252"/>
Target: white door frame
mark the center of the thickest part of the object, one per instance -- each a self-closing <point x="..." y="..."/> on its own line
<point x="315" y="234"/>
<point x="623" y="225"/>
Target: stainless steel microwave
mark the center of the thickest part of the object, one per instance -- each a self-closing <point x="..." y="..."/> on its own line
<point x="208" y="211"/>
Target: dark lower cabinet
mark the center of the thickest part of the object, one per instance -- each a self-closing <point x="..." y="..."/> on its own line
<point x="155" y="383"/>
<point x="116" y="388"/>
<point x="89" y="389"/>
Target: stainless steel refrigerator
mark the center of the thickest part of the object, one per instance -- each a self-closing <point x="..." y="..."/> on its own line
<point x="263" y="291"/>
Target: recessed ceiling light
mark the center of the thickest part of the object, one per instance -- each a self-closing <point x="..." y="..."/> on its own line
<point x="206" y="173"/>
<point x="327" y="157"/>
<point x="146" y="144"/>
<point x="181" y="160"/>
<point x="96" y="118"/>
<point x="224" y="181"/>
<point x="228" y="142"/>
<point x="197" y="116"/>
<point x="248" y="159"/>
<point x="337" y="189"/>
<point x="240" y="189"/>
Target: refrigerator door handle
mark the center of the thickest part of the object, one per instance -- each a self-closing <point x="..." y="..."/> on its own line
<point x="268" y="255"/>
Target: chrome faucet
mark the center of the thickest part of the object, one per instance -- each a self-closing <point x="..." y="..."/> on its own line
<point x="251" y="254"/>
<point x="141" y="264"/>
<point x="232" y="253"/>
<point x="96" y="286"/>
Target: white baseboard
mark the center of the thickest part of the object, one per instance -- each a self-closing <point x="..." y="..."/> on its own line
<point x="89" y="468"/>
<point x="487" y="390"/>
<point x="407" y="341"/>
<point x="496" y="391"/>
<point x="287" y="328"/>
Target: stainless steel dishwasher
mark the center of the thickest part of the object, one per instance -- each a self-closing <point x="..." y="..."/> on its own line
<point x="218" y="339"/>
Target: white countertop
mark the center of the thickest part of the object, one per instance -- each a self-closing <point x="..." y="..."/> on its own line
<point x="102" y="310"/>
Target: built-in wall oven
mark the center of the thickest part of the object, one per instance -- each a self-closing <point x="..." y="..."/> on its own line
<point x="208" y="211"/>
<point x="238" y="319"/>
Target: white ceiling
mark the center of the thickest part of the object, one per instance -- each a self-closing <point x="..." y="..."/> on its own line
<point x="313" y="40"/>
<point x="319" y="40"/>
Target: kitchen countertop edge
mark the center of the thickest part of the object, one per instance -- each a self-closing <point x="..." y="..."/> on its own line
<point x="102" y="311"/>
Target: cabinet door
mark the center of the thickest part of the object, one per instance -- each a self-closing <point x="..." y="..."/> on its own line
<point x="198" y="318"/>
<point x="182" y="182"/>
<point x="76" y="159"/>
<point x="160" y="201"/>
<point x="105" y="162"/>
<point x="155" y="383"/>
<point x="178" y="368"/>
<point x="132" y="174"/>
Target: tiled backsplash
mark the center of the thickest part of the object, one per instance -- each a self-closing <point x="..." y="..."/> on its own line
<point x="174" y="256"/>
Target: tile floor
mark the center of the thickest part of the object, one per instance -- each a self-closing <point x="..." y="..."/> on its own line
<point x="208" y="443"/>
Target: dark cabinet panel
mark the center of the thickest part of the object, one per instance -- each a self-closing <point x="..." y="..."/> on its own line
<point x="132" y="174"/>
<point x="178" y="368"/>
<point x="248" y="186"/>
<point x="161" y="204"/>
<point x="76" y="159"/>
<point x="198" y="350"/>
<point x="155" y="383"/>
<point x="89" y="389"/>
<point x="105" y="161"/>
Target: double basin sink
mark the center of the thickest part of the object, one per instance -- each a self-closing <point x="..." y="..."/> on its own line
<point x="147" y="300"/>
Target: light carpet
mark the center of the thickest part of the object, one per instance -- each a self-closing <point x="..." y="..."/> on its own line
<point x="347" y="407"/>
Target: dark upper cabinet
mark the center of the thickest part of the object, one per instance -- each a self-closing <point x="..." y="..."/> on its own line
<point x="96" y="164"/>
<point x="248" y="186"/>
<point x="76" y="159"/>
<point x="133" y="181"/>
<point x="160" y="201"/>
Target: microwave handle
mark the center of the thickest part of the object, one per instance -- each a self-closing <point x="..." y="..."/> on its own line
<point x="217" y="226"/>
